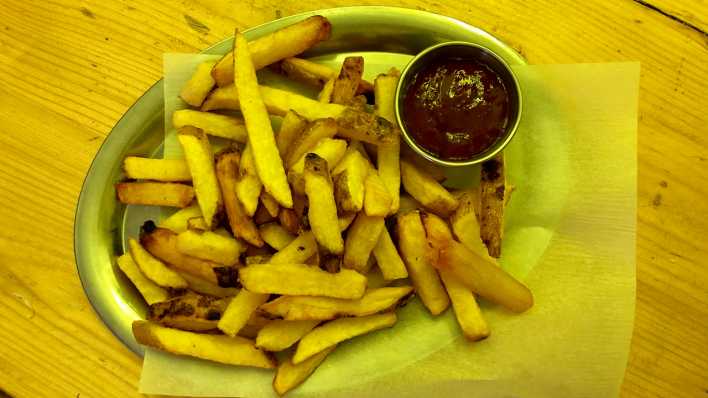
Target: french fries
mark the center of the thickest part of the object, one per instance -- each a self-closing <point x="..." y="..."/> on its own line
<point x="289" y="376"/>
<point x="467" y="311"/>
<point x="191" y="311"/>
<point x="201" y="286"/>
<point x="214" y="124"/>
<point x="260" y="132"/>
<point x="248" y="187"/>
<point x="270" y="204"/>
<point x="323" y="210"/>
<point x="388" y="156"/>
<point x="279" y="334"/>
<point x="199" y="85"/>
<point x="346" y="84"/>
<point x="334" y="332"/>
<point x="275" y="235"/>
<point x="424" y="165"/>
<point x="210" y="246"/>
<point x="314" y="74"/>
<point x="155" y="194"/>
<point x="154" y="269"/>
<point x="296" y="308"/>
<point x="164" y="170"/>
<point x="325" y="95"/>
<point x="388" y="259"/>
<point x="200" y="159"/>
<point x="377" y="198"/>
<point x="179" y="220"/>
<point x="242" y="226"/>
<point x="366" y="127"/>
<point x="151" y="291"/>
<point x="219" y="348"/>
<point x="492" y="192"/>
<point x="298" y="251"/>
<point x="349" y="182"/>
<point x="239" y="311"/>
<point x="197" y="224"/>
<point x="362" y="237"/>
<point x="427" y="191"/>
<point x="303" y="280"/>
<point x="283" y="43"/>
<point x="314" y="133"/>
<point x="331" y="150"/>
<point x="465" y="224"/>
<point x="291" y="127"/>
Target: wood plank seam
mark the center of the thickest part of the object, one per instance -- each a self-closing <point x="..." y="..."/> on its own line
<point x="671" y="16"/>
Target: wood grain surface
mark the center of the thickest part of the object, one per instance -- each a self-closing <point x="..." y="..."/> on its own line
<point x="69" y="70"/>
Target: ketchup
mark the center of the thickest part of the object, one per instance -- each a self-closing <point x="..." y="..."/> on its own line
<point x="455" y="109"/>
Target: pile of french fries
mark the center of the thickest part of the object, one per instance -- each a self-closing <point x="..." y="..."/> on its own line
<point x="301" y="240"/>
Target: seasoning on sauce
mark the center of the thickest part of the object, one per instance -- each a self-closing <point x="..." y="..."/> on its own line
<point x="456" y="109"/>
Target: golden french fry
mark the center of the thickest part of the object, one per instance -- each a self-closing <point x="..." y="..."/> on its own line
<point x="270" y="204"/>
<point x="210" y="246"/>
<point x="325" y="95"/>
<point x="248" y="187"/>
<point x="314" y="74"/>
<point x="275" y="235"/>
<point x="331" y="150"/>
<point x="414" y="247"/>
<point x="298" y="251"/>
<point x="289" y="376"/>
<point x="201" y="286"/>
<point x="334" y="332"/>
<point x="154" y="269"/>
<point x="362" y="237"/>
<point x="271" y="48"/>
<point x="165" y="170"/>
<point x="426" y="166"/>
<point x="388" y="259"/>
<point x="349" y="182"/>
<point x="347" y="82"/>
<point x="200" y="159"/>
<point x="239" y="311"/>
<point x="219" y="348"/>
<point x="291" y="127"/>
<point x="151" y="291"/>
<point x="325" y="308"/>
<point x="302" y="279"/>
<point x="377" y="198"/>
<point x="408" y="204"/>
<point x="197" y="224"/>
<point x="279" y="334"/>
<point x="162" y="243"/>
<point x="465" y="224"/>
<point x="316" y="131"/>
<point x="427" y="191"/>
<point x="191" y="311"/>
<point x="233" y="128"/>
<point x="254" y="325"/>
<point x="199" y="85"/>
<point x="155" y="194"/>
<point x="179" y="220"/>
<point x="261" y="139"/>
<point x="388" y="156"/>
<point x="345" y="220"/>
<point x="467" y="311"/>
<point x="242" y="226"/>
<point x="492" y="187"/>
<point x="323" y="210"/>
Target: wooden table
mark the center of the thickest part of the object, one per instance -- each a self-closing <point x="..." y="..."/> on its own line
<point x="69" y="70"/>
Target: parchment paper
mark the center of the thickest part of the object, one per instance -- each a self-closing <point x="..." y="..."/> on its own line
<point x="570" y="235"/>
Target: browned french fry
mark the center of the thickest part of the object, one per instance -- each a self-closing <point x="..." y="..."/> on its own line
<point x="199" y="85"/>
<point x="154" y="269"/>
<point x="377" y="198"/>
<point x="275" y="235"/>
<point x="191" y="311"/>
<point x="233" y="128"/>
<point x="316" y="131"/>
<point x="279" y="334"/>
<point x="283" y="43"/>
<point x="262" y="216"/>
<point x="427" y="191"/>
<point x="151" y="291"/>
<point x="325" y="95"/>
<point x="388" y="259"/>
<point x="242" y="226"/>
<point x="201" y="286"/>
<point x="210" y="246"/>
<point x="291" y="127"/>
<point x="214" y="347"/>
<point x="361" y="240"/>
<point x="303" y="280"/>
<point x="200" y="159"/>
<point x="323" y="210"/>
<point x="165" y="170"/>
<point x="270" y="204"/>
<point x="289" y="376"/>
<point x="366" y="127"/>
<point x="298" y="251"/>
<point x="388" y="156"/>
<point x="314" y="74"/>
<point x="197" y="224"/>
<point x="347" y="82"/>
<point x="290" y="220"/>
<point x="239" y="311"/>
<point x="155" y="193"/>
<point x="492" y="186"/>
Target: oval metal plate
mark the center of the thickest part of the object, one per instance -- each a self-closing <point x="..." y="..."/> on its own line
<point x="100" y="222"/>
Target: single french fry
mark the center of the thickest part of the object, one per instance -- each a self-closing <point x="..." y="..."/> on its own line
<point x="155" y="194"/>
<point x="303" y="280"/>
<point x="291" y="127"/>
<point x="154" y="269"/>
<point x="346" y="84"/>
<point x="289" y="376"/>
<point x="427" y="191"/>
<point x="467" y="311"/>
<point x="323" y="210"/>
<point x="377" y="198"/>
<point x="271" y="48"/>
<point x="200" y="159"/>
<point x="248" y="190"/>
<point x="239" y="311"/>
<point x="325" y="95"/>
<point x="199" y="85"/>
<point x="201" y="286"/>
<point x="492" y="186"/>
<point x="179" y="220"/>
<point x="465" y="224"/>
<point x="314" y="74"/>
<point x="316" y="131"/>
<point x="279" y="334"/>
<point x="413" y="244"/>
<point x="233" y="128"/>
<point x="242" y="226"/>
<point x="165" y="170"/>
<point x="298" y="251"/>
<point x="191" y="311"/>
<point x="326" y="308"/>
<point x="218" y="348"/>
<point x="210" y="246"/>
<point x="408" y="204"/>
<point x="151" y="291"/>
<point x="197" y="224"/>
<point x="388" y="156"/>
<point x="270" y="204"/>
<point x="433" y="170"/>
<point x="290" y="220"/>
<point x="349" y="183"/>
<point x="345" y="220"/>
<point x="334" y="332"/>
<point x="363" y="126"/>
<point x="162" y="243"/>
<point x="388" y="259"/>
<point x="275" y="235"/>
<point x="261" y="139"/>
<point x="362" y="237"/>
<point x="331" y="150"/>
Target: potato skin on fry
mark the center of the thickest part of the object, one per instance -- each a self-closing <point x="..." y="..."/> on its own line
<point x="492" y="193"/>
<point x="191" y="311"/>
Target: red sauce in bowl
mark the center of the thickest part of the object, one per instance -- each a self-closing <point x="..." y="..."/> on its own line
<point x="455" y="109"/>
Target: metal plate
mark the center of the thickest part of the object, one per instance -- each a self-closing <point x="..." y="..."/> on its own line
<point x="386" y="35"/>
